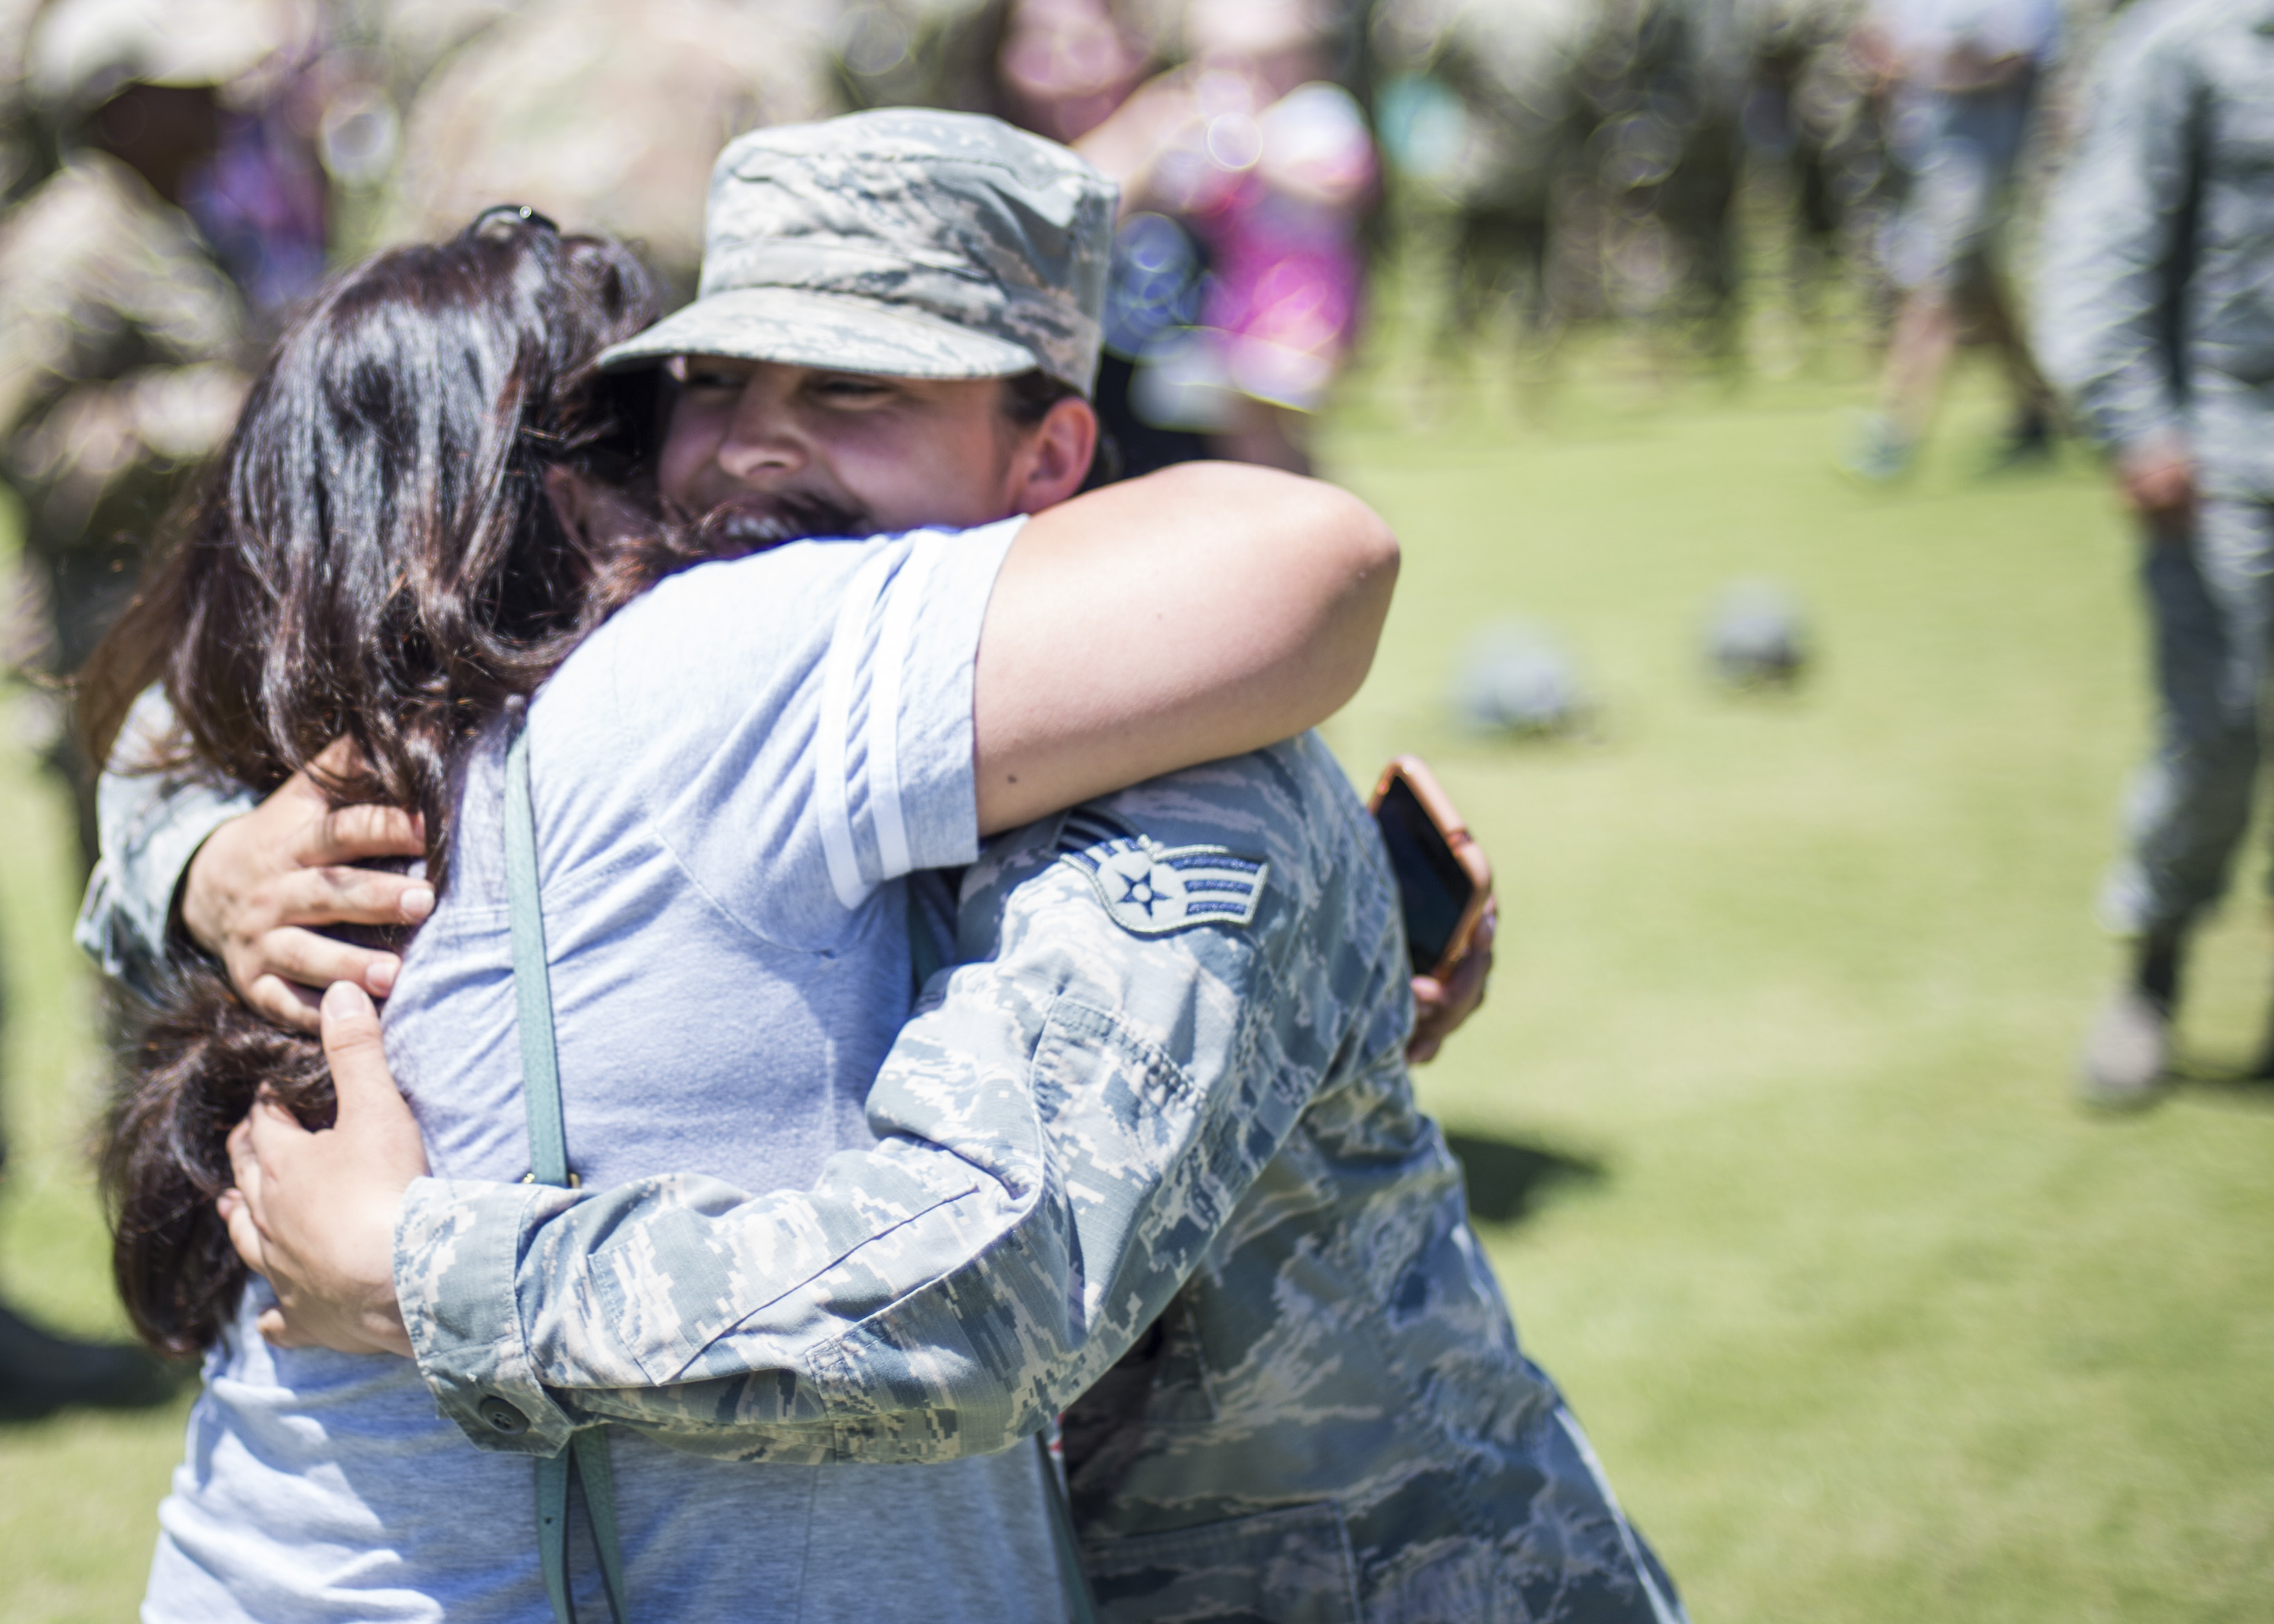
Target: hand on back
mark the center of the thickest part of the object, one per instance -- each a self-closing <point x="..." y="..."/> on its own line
<point x="263" y="888"/>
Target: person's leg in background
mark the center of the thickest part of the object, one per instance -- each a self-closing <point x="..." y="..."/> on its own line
<point x="2212" y="616"/>
<point x="1943" y="258"/>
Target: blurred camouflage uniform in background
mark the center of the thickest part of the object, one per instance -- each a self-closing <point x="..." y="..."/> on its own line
<point x="122" y="339"/>
<point x="606" y="115"/>
<point x="123" y="353"/>
<point x="1504" y="162"/>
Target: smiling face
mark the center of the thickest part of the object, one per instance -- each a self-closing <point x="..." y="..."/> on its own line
<point x="767" y="451"/>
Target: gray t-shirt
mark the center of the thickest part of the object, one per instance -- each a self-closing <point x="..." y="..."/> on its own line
<point x="729" y="779"/>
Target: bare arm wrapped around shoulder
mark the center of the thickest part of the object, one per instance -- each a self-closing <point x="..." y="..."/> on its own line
<point x="1207" y="610"/>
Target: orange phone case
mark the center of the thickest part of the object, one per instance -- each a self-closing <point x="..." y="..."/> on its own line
<point x="1465" y="851"/>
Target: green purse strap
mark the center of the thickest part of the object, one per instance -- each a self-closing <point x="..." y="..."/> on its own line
<point x="548" y="1162"/>
<point x="926" y="960"/>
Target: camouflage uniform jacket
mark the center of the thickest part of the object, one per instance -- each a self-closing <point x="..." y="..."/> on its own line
<point x="148" y="827"/>
<point x="1142" y="1159"/>
<point x="2155" y="296"/>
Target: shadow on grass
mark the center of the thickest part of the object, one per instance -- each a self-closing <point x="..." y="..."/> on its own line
<point x="1508" y="1180"/>
<point x="2239" y="1085"/>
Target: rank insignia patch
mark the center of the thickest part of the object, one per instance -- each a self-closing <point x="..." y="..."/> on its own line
<point x="1152" y="889"/>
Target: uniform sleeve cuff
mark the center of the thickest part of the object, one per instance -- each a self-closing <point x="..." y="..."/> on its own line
<point x="151" y="831"/>
<point x="457" y="1247"/>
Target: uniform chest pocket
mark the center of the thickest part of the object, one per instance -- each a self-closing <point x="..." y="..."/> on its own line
<point x="1291" y="1567"/>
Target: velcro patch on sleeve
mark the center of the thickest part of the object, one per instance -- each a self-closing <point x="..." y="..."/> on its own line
<point x="1152" y="890"/>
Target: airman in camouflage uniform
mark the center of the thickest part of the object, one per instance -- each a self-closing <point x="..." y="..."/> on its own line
<point x="1148" y="1156"/>
<point x="2155" y="317"/>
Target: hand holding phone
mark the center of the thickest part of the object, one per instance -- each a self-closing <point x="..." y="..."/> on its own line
<point x="1445" y="887"/>
<point x="1443" y="877"/>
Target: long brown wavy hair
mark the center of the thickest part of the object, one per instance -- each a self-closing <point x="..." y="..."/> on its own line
<point x="374" y="555"/>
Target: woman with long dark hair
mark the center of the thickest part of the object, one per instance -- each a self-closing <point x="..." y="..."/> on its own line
<point x="396" y="602"/>
<point x="432" y="523"/>
<point x="380" y="558"/>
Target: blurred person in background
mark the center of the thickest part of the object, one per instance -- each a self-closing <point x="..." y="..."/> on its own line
<point x="604" y="114"/>
<point x="1232" y="247"/>
<point x="1270" y="166"/>
<point x="1666" y="81"/>
<point x="123" y="336"/>
<point x="1504" y="159"/>
<point x="2154" y="316"/>
<point x="1813" y="114"/>
<point x="1962" y="79"/>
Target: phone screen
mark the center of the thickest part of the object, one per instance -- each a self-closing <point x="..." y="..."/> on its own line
<point x="1434" y="887"/>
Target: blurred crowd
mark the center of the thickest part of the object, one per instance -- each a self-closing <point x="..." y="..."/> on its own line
<point x="1571" y="160"/>
<point x="167" y="204"/>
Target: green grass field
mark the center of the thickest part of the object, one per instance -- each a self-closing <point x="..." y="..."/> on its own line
<point x="1867" y="1321"/>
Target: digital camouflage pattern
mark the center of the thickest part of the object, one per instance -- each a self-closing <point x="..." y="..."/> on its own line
<point x="1329" y="1418"/>
<point x="148" y="826"/>
<point x="1174" y="1185"/>
<point x="2156" y="299"/>
<point x="904" y="242"/>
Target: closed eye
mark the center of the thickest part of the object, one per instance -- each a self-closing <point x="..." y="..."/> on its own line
<point x="853" y="390"/>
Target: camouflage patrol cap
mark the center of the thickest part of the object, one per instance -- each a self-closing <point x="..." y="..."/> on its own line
<point x="905" y="242"/>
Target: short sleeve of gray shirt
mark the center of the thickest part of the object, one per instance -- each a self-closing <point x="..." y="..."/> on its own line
<point x="796" y="728"/>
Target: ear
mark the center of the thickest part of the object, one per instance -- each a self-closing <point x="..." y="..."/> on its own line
<point x="1055" y="460"/>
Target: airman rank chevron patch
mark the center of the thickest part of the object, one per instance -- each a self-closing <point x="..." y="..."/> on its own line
<point x="1151" y="889"/>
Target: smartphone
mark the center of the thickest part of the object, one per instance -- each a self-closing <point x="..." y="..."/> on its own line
<point x="1442" y="876"/>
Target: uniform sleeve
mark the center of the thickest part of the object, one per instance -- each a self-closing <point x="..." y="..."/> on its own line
<point x="150" y="825"/>
<point x="2116" y="258"/>
<point x="1064" y="1128"/>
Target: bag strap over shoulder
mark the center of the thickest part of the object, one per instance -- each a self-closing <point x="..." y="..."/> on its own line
<point x="532" y="977"/>
<point x="587" y="1454"/>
